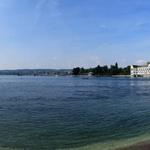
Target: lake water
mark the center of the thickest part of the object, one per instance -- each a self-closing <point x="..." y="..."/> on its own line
<point x="48" y="113"/>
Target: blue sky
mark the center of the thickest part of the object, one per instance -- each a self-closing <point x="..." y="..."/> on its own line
<point x="69" y="33"/>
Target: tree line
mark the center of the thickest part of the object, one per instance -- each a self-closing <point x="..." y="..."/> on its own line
<point x="102" y="70"/>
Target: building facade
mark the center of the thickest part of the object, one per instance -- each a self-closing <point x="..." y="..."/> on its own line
<point x="140" y="71"/>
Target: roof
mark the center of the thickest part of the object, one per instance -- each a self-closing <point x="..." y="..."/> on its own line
<point x="137" y="66"/>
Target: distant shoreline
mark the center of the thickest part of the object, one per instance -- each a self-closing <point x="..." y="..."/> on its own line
<point x="65" y="75"/>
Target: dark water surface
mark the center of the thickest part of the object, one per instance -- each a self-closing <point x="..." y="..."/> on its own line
<point x="48" y="113"/>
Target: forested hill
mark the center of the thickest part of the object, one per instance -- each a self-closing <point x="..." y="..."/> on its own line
<point x="102" y="70"/>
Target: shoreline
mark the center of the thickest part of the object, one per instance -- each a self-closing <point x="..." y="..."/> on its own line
<point x="114" y="145"/>
<point x="139" y="146"/>
<point x="136" y="143"/>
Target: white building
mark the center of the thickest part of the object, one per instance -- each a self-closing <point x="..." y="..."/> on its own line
<point x="142" y="71"/>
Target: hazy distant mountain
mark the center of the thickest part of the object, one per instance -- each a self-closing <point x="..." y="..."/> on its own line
<point x="36" y="72"/>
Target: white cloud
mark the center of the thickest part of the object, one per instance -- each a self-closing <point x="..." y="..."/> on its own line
<point x="103" y="26"/>
<point x="140" y="62"/>
<point x="48" y="6"/>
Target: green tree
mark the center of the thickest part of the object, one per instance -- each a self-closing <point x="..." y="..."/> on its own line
<point x="76" y="71"/>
